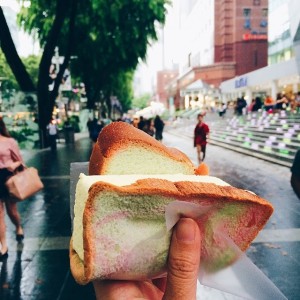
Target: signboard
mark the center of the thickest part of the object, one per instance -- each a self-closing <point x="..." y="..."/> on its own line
<point x="255" y="37"/>
<point x="241" y="82"/>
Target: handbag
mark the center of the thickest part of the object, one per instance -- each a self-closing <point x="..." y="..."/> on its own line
<point x="24" y="182"/>
<point x="13" y="166"/>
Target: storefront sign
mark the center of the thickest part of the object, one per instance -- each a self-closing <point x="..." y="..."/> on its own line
<point x="254" y="37"/>
<point x="241" y="82"/>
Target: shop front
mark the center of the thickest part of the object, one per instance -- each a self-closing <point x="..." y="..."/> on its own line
<point x="200" y="94"/>
<point x="278" y="78"/>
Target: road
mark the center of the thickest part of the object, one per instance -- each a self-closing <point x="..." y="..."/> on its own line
<point x="39" y="268"/>
<point x="276" y="249"/>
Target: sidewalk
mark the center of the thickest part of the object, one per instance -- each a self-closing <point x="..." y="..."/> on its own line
<point x="39" y="268"/>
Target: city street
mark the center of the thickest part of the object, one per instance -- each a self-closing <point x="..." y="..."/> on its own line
<point x="184" y="72"/>
<point x="39" y="269"/>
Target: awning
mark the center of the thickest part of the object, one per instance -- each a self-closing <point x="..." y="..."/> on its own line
<point x="198" y="85"/>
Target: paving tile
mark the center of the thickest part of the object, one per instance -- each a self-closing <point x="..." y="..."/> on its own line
<point x="40" y="269"/>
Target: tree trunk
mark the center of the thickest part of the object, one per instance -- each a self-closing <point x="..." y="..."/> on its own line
<point x="67" y="56"/>
<point x="12" y="57"/>
<point x="45" y="105"/>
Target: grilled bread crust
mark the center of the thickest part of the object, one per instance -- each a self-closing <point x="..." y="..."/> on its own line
<point x="120" y="136"/>
<point x="242" y="227"/>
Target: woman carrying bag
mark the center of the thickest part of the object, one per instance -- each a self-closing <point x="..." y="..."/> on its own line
<point x="7" y="165"/>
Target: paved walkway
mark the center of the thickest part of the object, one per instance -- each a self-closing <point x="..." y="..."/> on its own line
<point x="39" y="269"/>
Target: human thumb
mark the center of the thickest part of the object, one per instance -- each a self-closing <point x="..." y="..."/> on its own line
<point x="183" y="261"/>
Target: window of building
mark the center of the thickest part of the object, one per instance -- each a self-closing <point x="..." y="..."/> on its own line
<point x="256" y="2"/>
<point x="247" y="24"/>
<point x="264" y="12"/>
<point x="263" y="23"/>
<point x="247" y="12"/>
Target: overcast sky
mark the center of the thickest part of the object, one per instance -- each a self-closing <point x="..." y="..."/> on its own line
<point x="163" y="53"/>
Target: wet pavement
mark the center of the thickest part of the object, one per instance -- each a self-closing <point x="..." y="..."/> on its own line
<point x="39" y="268"/>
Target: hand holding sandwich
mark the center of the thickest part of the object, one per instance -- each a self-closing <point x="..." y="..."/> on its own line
<point x="183" y="265"/>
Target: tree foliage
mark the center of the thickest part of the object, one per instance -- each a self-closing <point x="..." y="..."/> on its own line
<point x="110" y="37"/>
<point x="8" y="80"/>
<point x="141" y="101"/>
<point x="122" y="88"/>
<point x="107" y="37"/>
<point x="32" y="63"/>
<point x="12" y="57"/>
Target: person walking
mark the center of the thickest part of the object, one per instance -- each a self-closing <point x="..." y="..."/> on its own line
<point x="142" y="123"/>
<point x="159" y="127"/>
<point x="149" y="128"/>
<point x="8" y="146"/>
<point x="52" y="131"/>
<point x="222" y="109"/>
<point x="240" y="105"/>
<point x="200" y="137"/>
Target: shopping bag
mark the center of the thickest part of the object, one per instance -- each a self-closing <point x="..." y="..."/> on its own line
<point x="24" y="184"/>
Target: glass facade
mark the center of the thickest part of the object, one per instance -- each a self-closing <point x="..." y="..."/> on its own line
<point x="280" y="40"/>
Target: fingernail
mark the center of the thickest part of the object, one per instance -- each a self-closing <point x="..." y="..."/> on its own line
<point x="185" y="230"/>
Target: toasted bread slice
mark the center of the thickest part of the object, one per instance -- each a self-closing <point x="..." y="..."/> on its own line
<point x="124" y="231"/>
<point x="124" y="149"/>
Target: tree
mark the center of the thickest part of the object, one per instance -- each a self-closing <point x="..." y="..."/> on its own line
<point x="110" y="39"/>
<point x="124" y="32"/>
<point x="31" y="64"/>
<point x="8" y="81"/>
<point x="12" y="57"/>
<point x="121" y="87"/>
<point x="49" y="38"/>
<point x="103" y="32"/>
<point x="141" y="101"/>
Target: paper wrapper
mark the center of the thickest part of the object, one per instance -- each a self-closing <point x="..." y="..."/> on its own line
<point x="242" y="278"/>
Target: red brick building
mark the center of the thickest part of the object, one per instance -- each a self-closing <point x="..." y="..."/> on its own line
<point x="240" y="44"/>
<point x="164" y="78"/>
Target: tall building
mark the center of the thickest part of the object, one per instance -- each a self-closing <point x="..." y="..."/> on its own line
<point x="164" y="78"/>
<point x="241" y="34"/>
<point x="219" y="40"/>
<point x="280" y="38"/>
<point x="281" y="76"/>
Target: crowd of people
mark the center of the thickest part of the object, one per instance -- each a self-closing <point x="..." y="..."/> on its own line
<point x="282" y="102"/>
<point x="152" y="126"/>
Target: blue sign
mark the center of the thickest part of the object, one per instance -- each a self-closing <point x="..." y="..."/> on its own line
<point x="241" y="82"/>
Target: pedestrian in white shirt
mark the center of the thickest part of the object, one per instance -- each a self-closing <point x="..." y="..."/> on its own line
<point x="52" y="131"/>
